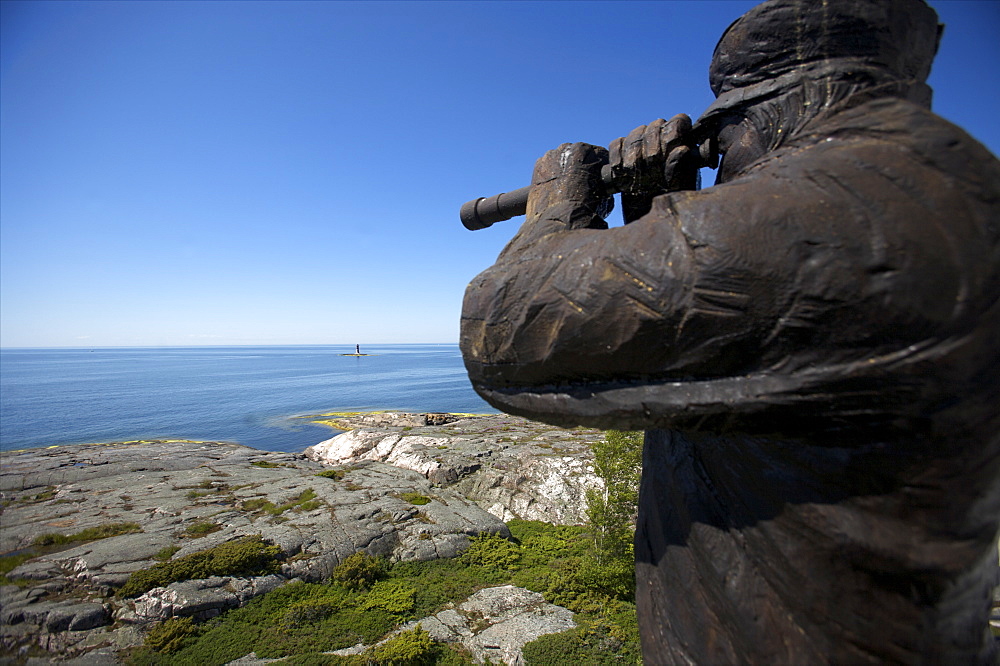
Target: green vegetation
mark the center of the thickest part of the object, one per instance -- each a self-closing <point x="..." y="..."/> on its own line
<point x="586" y="569"/>
<point x="267" y="465"/>
<point x="306" y="501"/>
<point x="414" y="498"/>
<point x="201" y="528"/>
<point x="249" y="556"/>
<point x="89" y="534"/>
<point x="367" y="598"/>
<point x="612" y="510"/>
<point x="166" y="553"/>
<point x="10" y="562"/>
<point x="359" y="571"/>
<point x="408" y="648"/>
<point x="46" y="494"/>
<point x="335" y="474"/>
<point x="169" y="636"/>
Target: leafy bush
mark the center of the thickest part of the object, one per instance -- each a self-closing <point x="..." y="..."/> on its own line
<point x="249" y="556"/>
<point x="169" y="636"/>
<point x="89" y="534"/>
<point x="359" y="571"/>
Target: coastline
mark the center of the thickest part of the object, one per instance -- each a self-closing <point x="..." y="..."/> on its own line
<point x="407" y="487"/>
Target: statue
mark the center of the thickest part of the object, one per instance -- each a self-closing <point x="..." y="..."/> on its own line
<point x="812" y="346"/>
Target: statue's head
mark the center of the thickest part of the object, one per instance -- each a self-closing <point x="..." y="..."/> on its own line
<point x="825" y="53"/>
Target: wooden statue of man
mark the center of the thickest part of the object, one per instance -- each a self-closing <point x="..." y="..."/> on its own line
<point x="812" y="346"/>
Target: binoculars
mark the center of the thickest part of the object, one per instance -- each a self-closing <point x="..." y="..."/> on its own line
<point x="485" y="211"/>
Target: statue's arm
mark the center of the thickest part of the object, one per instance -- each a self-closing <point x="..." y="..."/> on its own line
<point x="572" y="302"/>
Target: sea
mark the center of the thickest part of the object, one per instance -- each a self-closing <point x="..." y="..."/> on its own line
<point x="256" y="396"/>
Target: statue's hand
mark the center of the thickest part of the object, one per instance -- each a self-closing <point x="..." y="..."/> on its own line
<point x="566" y="185"/>
<point x="653" y="159"/>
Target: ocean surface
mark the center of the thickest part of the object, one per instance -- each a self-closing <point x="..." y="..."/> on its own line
<point x="250" y="395"/>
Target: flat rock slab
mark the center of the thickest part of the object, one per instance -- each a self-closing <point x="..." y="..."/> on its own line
<point x="190" y="496"/>
<point x="510" y="466"/>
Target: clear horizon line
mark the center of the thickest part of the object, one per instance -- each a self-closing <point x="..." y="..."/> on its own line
<point x="269" y="344"/>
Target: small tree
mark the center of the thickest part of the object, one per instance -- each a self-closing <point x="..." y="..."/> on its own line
<point x="611" y="510"/>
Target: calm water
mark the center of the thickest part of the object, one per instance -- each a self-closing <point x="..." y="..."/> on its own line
<point x="243" y="394"/>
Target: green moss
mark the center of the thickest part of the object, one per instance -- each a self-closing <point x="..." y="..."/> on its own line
<point x="335" y="474"/>
<point x="10" y="562"/>
<point x="46" y="494"/>
<point x="414" y="498"/>
<point x="266" y="464"/>
<point x="306" y="501"/>
<point x="201" y="528"/>
<point x="249" y="556"/>
<point x="166" y="553"/>
<point x="90" y="534"/>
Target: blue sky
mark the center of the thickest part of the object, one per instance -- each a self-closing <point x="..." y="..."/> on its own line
<point x="187" y="173"/>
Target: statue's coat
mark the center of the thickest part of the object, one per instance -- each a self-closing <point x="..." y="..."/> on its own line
<point x="813" y="347"/>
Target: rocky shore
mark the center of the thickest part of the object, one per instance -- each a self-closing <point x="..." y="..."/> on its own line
<point x="402" y="486"/>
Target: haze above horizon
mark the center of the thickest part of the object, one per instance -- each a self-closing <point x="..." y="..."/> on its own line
<point x="285" y="173"/>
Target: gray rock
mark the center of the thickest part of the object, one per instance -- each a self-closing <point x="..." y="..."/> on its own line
<point x="512" y="467"/>
<point x="171" y="489"/>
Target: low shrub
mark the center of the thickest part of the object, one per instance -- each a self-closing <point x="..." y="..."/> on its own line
<point x="308" y="611"/>
<point x="359" y="571"/>
<point x="607" y="639"/>
<point x="249" y="556"/>
<point x="393" y="596"/>
<point x="303" y="620"/>
<point x="407" y="648"/>
<point x="169" y="636"/>
<point x="491" y="550"/>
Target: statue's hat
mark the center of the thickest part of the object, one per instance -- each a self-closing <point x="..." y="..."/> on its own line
<point x="780" y="42"/>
